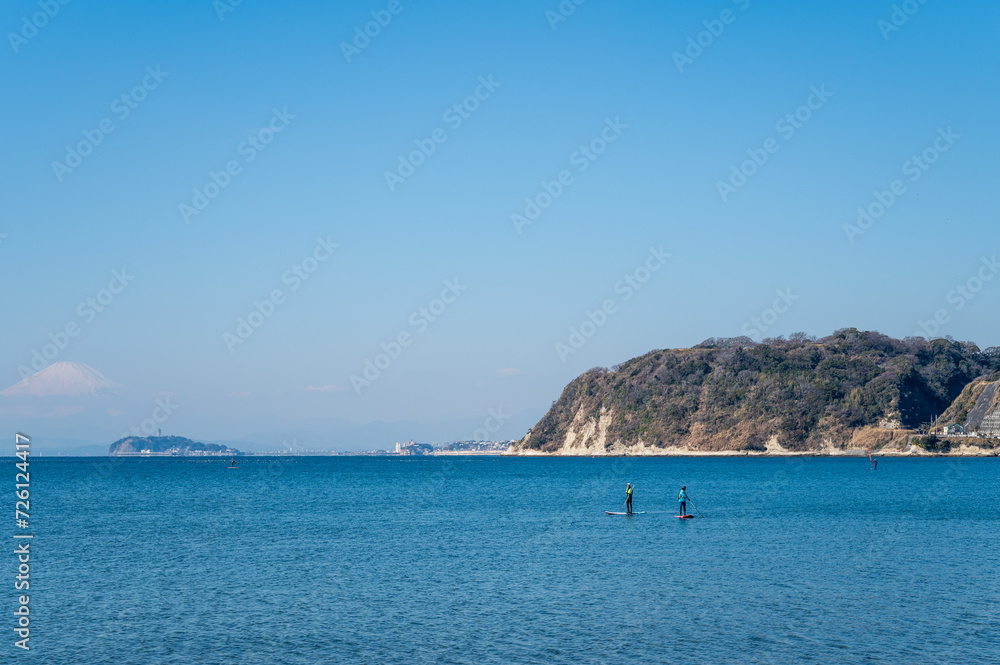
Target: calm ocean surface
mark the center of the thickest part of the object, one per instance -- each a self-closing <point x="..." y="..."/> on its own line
<point x="511" y="560"/>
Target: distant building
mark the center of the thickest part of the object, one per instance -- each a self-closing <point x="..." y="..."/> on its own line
<point x="477" y="446"/>
<point x="953" y="429"/>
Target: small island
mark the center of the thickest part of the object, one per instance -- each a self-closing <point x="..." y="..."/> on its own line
<point x="159" y="446"/>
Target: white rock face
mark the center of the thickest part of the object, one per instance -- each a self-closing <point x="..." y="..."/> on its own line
<point x="891" y="422"/>
<point x="67" y="379"/>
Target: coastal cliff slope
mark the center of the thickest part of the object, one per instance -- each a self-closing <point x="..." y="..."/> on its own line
<point x="851" y="389"/>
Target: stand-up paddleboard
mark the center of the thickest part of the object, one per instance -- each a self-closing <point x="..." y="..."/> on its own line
<point x="684" y="517"/>
<point x="640" y="512"/>
<point x="232" y="467"/>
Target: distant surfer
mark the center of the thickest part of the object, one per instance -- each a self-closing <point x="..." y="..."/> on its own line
<point x="233" y="462"/>
<point x="628" y="497"/>
<point x="682" y="498"/>
<point x="874" y="464"/>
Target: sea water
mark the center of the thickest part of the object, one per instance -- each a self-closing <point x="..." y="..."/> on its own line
<point x="511" y="560"/>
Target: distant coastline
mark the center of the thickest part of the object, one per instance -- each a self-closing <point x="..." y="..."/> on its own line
<point x="898" y="443"/>
<point x="178" y="446"/>
<point x="849" y="452"/>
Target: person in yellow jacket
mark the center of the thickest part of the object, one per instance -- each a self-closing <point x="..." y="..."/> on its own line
<point x="628" y="497"/>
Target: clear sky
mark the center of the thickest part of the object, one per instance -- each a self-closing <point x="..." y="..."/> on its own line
<point x="667" y="99"/>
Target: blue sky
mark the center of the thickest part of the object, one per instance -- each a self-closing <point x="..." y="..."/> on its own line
<point x="680" y="132"/>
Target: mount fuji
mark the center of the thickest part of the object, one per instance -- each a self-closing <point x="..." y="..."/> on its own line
<point x="65" y="379"/>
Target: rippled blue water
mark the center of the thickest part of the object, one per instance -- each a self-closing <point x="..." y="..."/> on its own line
<point x="507" y="560"/>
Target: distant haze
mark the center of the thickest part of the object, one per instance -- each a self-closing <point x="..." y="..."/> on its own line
<point x="259" y="225"/>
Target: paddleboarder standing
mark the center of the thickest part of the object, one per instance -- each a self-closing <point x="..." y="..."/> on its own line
<point x="628" y="497"/>
<point x="682" y="498"/>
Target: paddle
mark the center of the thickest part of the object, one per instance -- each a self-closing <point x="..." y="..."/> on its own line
<point x="695" y="507"/>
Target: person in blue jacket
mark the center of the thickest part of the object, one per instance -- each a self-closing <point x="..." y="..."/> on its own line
<point x="682" y="498"/>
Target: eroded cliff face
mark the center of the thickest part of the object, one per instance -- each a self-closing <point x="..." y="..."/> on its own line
<point x="589" y="437"/>
<point x="850" y="391"/>
<point x="124" y="447"/>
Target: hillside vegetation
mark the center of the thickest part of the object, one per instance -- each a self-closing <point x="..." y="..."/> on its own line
<point x="161" y="445"/>
<point x="734" y="394"/>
